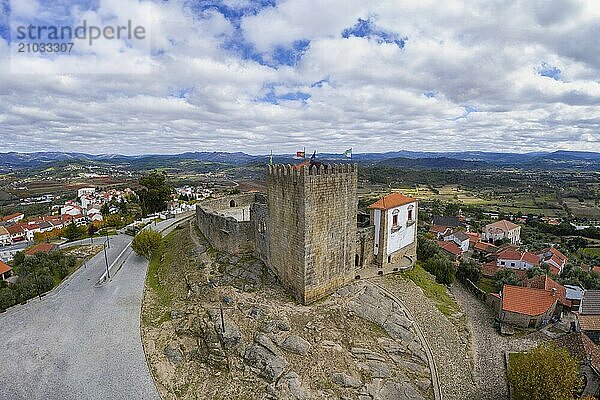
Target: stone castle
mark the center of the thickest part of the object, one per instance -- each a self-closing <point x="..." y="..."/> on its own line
<point x="305" y="229"/>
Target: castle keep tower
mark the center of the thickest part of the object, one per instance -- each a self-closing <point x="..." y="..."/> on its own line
<point x="312" y="227"/>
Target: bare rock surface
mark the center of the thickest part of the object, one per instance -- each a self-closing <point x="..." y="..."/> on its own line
<point x="357" y="343"/>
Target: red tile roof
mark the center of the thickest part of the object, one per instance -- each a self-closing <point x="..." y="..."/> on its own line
<point x="486" y="247"/>
<point x="546" y="283"/>
<point x="450" y="247"/>
<point x="503" y="225"/>
<point x="473" y="237"/>
<point x="11" y="216"/>
<point x="596" y="268"/>
<point x="489" y="269"/>
<point x="15" y="229"/>
<point x="4" y="268"/>
<point x="589" y="322"/>
<point x="514" y="255"/>
<point x="526" y="301"/>
<point x="391" y="201"/>
<point x="438" y="228"/>
<point x="41" y="248"/>
<point x="580" y="346"/>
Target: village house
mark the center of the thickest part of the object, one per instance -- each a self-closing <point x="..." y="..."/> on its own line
<point x="517" y="260"/>
<point x="527" y="307"/>
<point x="13" y="218"/>
<point x="484" y="249"/>
<point x="574" y="294"/>
<point x="450" y="249"/>
<point x="4" y="237"/>
<point x="5" y="271"/>
<point x="474" y="238"/>
<point x="17" y="234"/>
<point x="554" y="258"/>
<point x="546" y="283"/>
<point x="588" y="319"/>
<point x="460" y="239"/>
<point x="502" y="230"/>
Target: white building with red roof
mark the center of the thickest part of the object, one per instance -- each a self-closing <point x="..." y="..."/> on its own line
<point x="502" y="230"/>
<point x="554" y="258"/>
<point x="516" y="259"/>
<point x="395" y="220"/>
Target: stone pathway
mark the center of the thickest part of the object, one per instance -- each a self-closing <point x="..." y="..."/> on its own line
<point x="448" y="347"/>
<point x="488" y="347"/>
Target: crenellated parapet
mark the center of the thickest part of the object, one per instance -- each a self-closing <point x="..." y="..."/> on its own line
<point x="296" y="172"/>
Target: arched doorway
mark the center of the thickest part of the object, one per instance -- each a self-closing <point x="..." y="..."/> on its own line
<point x="232" y="203"/>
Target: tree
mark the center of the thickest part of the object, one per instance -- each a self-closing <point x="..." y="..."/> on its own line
<point x="442" y="267"/>
<point x="7" y="298"/>
<point x="470" y="270"/>
<point x="505" y="276"/>
<point x="545" y="373"/>
<point x="113" y="220"/>
<point x="154" y="194"/>
<point x="426" y="248"/>
<point x="91" y="230"/>
<point x="146" y="243"/>
<point x="105" y="210"/>
<point x="536" y="271"/>
<point x="72" y="231"/>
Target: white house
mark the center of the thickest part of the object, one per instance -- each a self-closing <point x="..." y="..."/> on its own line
<point x="502" y="230"/>
<point x="87" y="190"/>
<point x="459" y="238"/>
<point x="517" y="260"/>
<point x="4" y="237"/>
<point x="71" y="210"/>
<point x="554" y="258"/>
<point x="394" y="217"/>
<point x="13" y="218"/>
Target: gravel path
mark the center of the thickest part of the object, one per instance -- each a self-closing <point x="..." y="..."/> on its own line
<point x="488" y="346"/>
<point x="449" y="350"/>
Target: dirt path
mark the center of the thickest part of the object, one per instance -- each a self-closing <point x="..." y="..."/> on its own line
<point x="488" y="347"/>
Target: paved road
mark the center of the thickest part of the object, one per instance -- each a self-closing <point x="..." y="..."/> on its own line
<point x="80" y="341"/>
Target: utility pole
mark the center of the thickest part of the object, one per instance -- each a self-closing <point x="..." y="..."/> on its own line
<point x="107" y="238"/>
<point x="106" y="260"/>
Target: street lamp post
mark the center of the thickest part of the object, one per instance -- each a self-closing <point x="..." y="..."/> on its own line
<point x="107" y="238"/>
<point x="106" y="260"/>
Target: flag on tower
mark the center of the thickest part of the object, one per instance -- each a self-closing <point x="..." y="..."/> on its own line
<point x="348" y="153"/>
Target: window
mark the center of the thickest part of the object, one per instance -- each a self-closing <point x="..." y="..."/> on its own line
<point x="502" y="263"/>
<point x="512" y="264"/>
<point x="410" y="215"/>
<point x="395" y="220"/>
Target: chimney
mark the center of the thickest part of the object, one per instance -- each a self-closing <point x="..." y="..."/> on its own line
<point x="553" y="291"/>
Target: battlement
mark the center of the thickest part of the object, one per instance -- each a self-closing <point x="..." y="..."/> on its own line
<point x="293" y="171"/>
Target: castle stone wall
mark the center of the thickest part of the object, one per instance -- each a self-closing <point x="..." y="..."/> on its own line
<point x="312" y="226"/>
<point x="226" y="233"/>
<point x="285" y="192"/>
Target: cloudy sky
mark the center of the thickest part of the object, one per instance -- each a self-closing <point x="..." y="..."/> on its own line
<point x="242" y="75"/>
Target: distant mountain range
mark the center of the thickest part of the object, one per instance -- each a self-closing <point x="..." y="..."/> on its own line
<point x="404" y="159"/>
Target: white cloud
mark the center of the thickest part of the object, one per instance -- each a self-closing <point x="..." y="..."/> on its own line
<point x="477" y="60"/>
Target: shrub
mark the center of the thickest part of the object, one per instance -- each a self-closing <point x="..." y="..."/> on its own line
<point x="545" y="373"/>
<point x="146" y="243"/>
<point x="470" y="270"/>
<point x="442" y="267"/>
